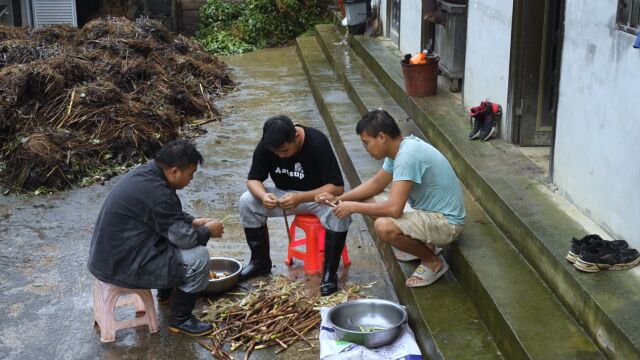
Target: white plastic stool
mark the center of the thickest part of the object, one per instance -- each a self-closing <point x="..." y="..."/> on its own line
<point x="107" y="297"/>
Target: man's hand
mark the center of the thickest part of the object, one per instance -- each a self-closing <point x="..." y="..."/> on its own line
<point x="344" y="209"/>
<point x="270" y="201"/>
<point x="289" y="201"/>
<point x="199" y="222"/>
<point x="326" y="198"/>
<point x="215" y="228"/>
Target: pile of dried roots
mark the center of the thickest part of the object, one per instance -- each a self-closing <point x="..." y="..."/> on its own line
<point x="78" y="103"/>
<point x="279" y="313"/>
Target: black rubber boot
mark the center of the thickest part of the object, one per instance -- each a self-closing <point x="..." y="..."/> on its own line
<point x="333" y="245"/>
<point x="164" y="295"/>
<point x="182" y="320"/>
<point x="260" y="264"/>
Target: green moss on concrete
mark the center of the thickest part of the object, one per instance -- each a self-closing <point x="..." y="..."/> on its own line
<point x="493" y="173"/>
<point x="483" y="270"/>
<point x="442" y="316"/>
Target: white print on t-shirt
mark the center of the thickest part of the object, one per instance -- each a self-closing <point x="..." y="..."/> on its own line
<point x="297" y="172"/>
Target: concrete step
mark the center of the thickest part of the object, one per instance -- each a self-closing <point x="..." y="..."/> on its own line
<point x="483" y="260"/>
<point x="511" y="190"/>
<point x="443" y="318"/>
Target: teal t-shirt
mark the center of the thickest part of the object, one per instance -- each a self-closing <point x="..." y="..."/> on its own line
<point x="436" y="187"/>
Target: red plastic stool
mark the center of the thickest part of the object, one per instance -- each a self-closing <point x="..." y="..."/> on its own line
<point x="313" y="255"/>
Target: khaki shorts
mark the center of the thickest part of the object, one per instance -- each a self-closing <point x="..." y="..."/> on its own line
<point x="428" y="227"/>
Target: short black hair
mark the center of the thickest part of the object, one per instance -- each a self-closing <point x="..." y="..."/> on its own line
<point x="377" y="121"/>
<point x="277" y="131"/>
<point x="180" y="153"/>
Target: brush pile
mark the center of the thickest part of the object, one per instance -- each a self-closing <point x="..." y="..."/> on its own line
<point x="75" y="104"/>
<point x="279" y="313"/>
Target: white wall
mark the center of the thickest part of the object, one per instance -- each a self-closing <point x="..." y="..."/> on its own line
<point x="384" y="17"/>
<point x="410" y="26"/>
<point x="486" y="74"/>
<point x="597" y="149"/>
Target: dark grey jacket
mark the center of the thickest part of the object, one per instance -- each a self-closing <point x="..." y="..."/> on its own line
<point x="139" y="230"/>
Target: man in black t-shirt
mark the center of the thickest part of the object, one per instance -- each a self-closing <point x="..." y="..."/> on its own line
<point x="301" y="163"/>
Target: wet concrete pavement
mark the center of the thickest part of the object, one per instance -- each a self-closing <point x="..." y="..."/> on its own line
<point x="45" y="289"/>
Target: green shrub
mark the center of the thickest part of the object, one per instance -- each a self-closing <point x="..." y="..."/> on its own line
<point x="219" y="13"/>
<point x="222" y="42"/>
<point x="229" y="28"/>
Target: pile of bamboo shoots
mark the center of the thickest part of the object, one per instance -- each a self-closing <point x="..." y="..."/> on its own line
<point x="78" y="104"/>
<point x="278" y="313"/>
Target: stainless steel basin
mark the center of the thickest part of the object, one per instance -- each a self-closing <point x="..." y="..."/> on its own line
<point x="368" y="322"/>
<point x="221" y="265"/>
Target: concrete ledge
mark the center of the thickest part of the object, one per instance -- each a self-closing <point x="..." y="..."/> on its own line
<point x="482" y="259"/>
<point x="508" y="188"/>
<point x="442" y="316"/>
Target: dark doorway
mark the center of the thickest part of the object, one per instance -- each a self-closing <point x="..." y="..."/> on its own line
<point x="87" y="10"/>
<point x="535" y="70"/>
<point x="428" y="35"/>
<point x="10" y="13"/>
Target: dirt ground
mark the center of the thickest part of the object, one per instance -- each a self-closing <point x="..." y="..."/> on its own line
<point x="45" y="288"/>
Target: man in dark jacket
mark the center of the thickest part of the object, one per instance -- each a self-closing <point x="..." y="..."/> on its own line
<point x="142" y="238"/>
<point x="301" y="163"/>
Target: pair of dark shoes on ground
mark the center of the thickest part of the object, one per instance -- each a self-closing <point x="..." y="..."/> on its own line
<point x="593" y="254"/>
<point x="485" y="120"/>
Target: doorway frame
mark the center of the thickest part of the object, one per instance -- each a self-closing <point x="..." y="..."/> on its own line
<point x="523" y="100"/>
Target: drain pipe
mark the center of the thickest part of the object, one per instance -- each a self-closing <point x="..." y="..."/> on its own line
<point x="174" y="15"/>
<point x="27" y="8"/>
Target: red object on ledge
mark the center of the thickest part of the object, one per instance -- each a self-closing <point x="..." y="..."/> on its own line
<point x="341" y="7"/>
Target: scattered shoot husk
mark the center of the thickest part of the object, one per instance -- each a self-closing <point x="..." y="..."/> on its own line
<point x="78" y="104"/>
<point x="278" y="313"/>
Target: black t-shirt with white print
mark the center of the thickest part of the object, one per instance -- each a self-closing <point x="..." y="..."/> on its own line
<point x="315" y="165"/>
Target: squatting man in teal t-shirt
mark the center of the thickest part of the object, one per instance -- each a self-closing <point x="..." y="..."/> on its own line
<point x="420" y="177"/>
